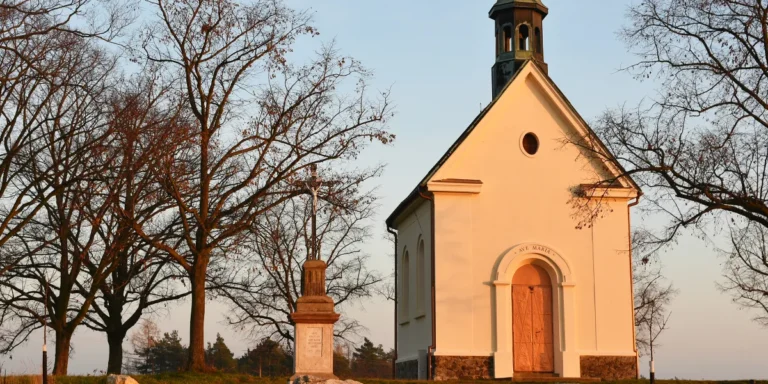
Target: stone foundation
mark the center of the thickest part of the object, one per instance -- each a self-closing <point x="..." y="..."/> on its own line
<point x="609" y="367"/>
<point x="462" y="367"/>
<point x="408" y="370"/>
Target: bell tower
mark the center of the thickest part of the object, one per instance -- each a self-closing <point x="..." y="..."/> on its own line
<point x="519" y="37"/>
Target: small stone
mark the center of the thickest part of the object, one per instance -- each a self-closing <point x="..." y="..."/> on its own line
<point x="309" y="379"/>
<point x="333" y="381"/>
<point x="321" y="380"/>
<point x="121" y="379"/>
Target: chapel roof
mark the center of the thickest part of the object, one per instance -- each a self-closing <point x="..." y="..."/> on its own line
<point x="422" y="184"/>
<point x="506" y="4"/>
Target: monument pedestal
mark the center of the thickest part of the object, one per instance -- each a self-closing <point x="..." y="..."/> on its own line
<point x="313" y="322"/>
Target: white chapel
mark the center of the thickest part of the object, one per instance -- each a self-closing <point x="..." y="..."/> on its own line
<point x="495" y="278"/>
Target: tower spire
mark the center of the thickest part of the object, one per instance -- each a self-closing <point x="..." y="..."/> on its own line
<point x="519" y="37"/>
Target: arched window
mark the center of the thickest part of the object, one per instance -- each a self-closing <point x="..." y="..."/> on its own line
<point x="523" y="37"/>
<point x="507" y="38"/>
<point x="420" y="279"/>
<point x="405" y="295"/>
<point x="537" y="35"/>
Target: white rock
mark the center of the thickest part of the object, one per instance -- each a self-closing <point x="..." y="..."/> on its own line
<point x="120" y="379"/>
<point x="342" y="382"/>
<point x="319" y="380"/>
<point x="308" y="379"/>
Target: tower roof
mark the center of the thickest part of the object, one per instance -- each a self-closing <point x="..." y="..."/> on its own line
<point x="508" y="4"/>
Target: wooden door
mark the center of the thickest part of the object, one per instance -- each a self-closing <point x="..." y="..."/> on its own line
<point x="543" y="349"/>
<point x="532" y="320"/>
<point x="522" y="330"/>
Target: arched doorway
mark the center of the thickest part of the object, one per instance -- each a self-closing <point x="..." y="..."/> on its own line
<point x="532" y="332"/>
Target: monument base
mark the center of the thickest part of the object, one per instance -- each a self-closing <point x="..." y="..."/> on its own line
<point x="313" y="348"/>
<point x="313" y="333"/>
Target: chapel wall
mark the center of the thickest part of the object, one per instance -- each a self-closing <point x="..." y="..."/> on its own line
<point x="457" y="300"/>
<point x="414" y="333"/>
<point x="525" y="200"/>
<point x="613" y="281"/>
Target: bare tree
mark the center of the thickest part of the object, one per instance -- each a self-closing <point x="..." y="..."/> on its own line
<point x="652" y="294"/>
<point x="60" y="242"/>
<point x="36" y="39"/>
<point x="144" y="136"/>
<point x="655" y="328"/>
<point x="387" y="289"/>
<point x="143" y="339"/>
<point x="25" y="20"/>
<point x="746" y="269"/>
<point x="699" y="149"/>
<point x="264" y="293"/>
<point x="259" y="121"/>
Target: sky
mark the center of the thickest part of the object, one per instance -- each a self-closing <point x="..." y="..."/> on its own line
<point x="436" y="58"/>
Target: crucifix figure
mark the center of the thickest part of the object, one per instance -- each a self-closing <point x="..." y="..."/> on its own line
<point x="315" y="315"/>
<point x="313" y="185"/>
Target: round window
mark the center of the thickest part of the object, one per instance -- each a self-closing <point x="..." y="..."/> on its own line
<point x="530" y="144"/>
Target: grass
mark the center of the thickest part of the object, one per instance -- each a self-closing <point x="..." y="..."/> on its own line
<point x="676" y="381"/>
<point x="166" y="378"/>
<point x="222" y="378"/>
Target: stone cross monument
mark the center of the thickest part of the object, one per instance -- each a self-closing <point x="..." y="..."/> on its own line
<point x="314" y="316"/>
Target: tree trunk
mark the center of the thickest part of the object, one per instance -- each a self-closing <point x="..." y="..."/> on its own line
<point x="196" y="362"/>
<point x="115" y="362"/>
<point x="114" y="303"/>
<point x="62" y="353"/>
